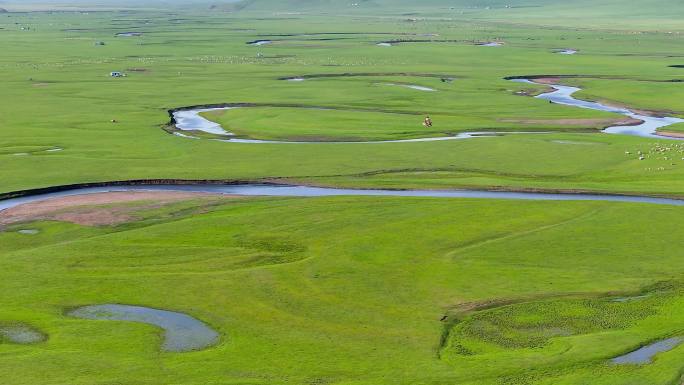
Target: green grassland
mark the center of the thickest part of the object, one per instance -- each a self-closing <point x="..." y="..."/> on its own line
<point x="328" y="290"/>
<point x="57" y="93"/>
<point x="347" y="290"/>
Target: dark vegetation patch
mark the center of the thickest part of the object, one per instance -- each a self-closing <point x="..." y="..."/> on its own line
<point x="473" y="329"/>
<point x="269" y="41"/>
<point x="276" y="56"/>
<point x="370" y="74"/>
<point x="345" y="33"/>
<point x="269" y="249"/>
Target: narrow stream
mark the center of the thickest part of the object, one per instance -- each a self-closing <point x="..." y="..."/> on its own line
<point x="563" y="95"/>
<point x="645" y="354"/>
<point x="307" y="191"/>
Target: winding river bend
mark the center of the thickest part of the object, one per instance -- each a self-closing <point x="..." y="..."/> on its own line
<point x="308" y="191"/>
<point x="191" y="120"/>
<point x="563" y="95"/>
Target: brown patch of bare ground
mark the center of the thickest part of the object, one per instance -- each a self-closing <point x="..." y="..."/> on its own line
<point x="671" y="134"/>
<point x="88" y="209"/>
<point x="578" y="122"/>
<point x="548" y="81"/>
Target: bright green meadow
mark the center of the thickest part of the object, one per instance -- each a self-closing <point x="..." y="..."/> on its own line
<point x="345" y="290"/>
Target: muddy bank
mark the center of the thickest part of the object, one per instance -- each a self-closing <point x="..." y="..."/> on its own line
<point x="87" y="209"/>
<point x="602" y="123"/>
<point x="670" y="134"/>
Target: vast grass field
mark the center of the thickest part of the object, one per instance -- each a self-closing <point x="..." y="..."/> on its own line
<point x="344" y="290"/>
<point x="352" y="291"/>
<point x="58" y="93"/>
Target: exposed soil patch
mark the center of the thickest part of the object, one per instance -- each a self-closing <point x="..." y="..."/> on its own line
<point x="671" y="134"/>
<point x="88" y="209"/>
<point x="578" y="122"/>
<point x="548" y="81"/>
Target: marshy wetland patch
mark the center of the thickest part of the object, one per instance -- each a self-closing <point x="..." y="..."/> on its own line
<point x="182" y="333"/>
<point x="531" y="323"/>
<point x="20" y="334"/>
<point x="29" y="231"/>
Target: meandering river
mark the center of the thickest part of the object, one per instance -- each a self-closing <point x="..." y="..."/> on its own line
<point x="192" y="120"/>
<point x="308" y="191"/>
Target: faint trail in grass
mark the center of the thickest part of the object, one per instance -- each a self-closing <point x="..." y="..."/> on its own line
<point x="517" y="234"/>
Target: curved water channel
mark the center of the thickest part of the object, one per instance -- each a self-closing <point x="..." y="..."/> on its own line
<point x="191" y="120"/>
<point x="308" y="191"/>
<point x="564" y="95"/>
<point x="182" y="333"/>
<point x="644" y="355"/>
